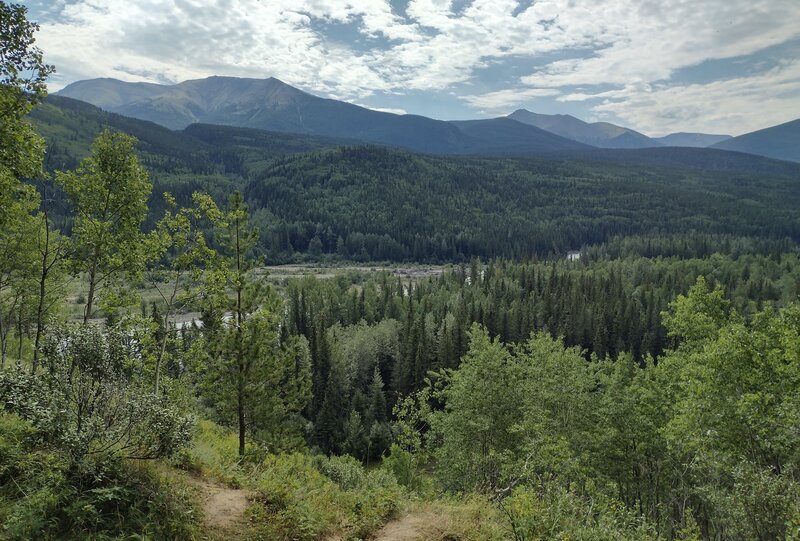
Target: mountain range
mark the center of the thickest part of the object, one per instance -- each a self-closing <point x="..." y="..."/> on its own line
<point x="272" y="105"/>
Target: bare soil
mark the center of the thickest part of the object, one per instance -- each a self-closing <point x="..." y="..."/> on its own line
<point x="223" y="509"/>
<point x="411" y="527"/>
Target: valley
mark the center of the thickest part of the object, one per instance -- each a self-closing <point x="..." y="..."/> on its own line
<point x="234" y="308"/>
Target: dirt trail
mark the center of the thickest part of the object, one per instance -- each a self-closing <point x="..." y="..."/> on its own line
<point x="223" y="507"/>
<point x="411" y="527"/>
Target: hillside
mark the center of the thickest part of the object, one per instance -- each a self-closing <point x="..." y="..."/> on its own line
<point x="394" y="205"/>
<point x="781" y="142"/>
<point x="69" y="126"/>
<point x="507" y="136"/>
<point x="684" y="158"/>
<point x="387" y="204"/>
<point x="269" y="104"/>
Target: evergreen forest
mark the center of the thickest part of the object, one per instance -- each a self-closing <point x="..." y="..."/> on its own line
<point x="566" y="347"/>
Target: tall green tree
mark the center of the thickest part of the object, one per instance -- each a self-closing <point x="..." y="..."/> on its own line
<point x="109" y="193"/>
<point x="53" y="250"/>
<point x="483" y="401"/>
<point x="254" y="376"/>
<point x="22" y="85"/>
<point x="736" y="414"/>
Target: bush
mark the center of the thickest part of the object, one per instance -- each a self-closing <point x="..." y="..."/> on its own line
<point x="45" y="494"/>
<point x="296" y="500"/>
<point x="91" y="399"/>
<point x="345" y="471"/>
<point x="403" y="466"/>
<point x="555" y="513"/>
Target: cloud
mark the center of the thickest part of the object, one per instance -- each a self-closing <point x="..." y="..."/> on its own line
<point x="501" y="101"/>
<point x="393" y="110"/>
<point x="650" y="40"/>
<point x="733" y="106"/>
<point x="585" y="51"/>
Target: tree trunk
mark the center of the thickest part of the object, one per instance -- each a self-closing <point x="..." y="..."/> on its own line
<point x="92" y="286"/>
<point x="161" y="356"/>
<point x="3" y="345"/>
<point x="239" y="317"/>
<point x="19" y="336"/>
<point x="89" y="297"/>
<point x="42" y="293"/>
<point x="240" y="411"/>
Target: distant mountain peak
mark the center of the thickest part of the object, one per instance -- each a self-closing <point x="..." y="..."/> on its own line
<point x="600" y="134"/>
<point x="270" y="104"/>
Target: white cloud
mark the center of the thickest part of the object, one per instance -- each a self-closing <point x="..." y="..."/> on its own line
<point x="732" y="106"/>
<point x="651" y="40"/>
<point x="393" y="110"/>
<point x="501" y="101"/>
<point x="633" y="47"/>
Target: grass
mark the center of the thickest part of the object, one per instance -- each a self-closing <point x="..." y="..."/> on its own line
<point x="295" y="495"/>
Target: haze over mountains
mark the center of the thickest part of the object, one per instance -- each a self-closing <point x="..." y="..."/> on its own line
<point x="272" y="105"/>
<point x="269" y="104"/>
<point x="598" y="134"/>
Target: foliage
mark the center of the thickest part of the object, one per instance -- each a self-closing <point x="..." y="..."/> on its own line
<point x="483" y="402"/>
<point x="44" y="494"/>
<point x="296" y="501"/>
<point x="252" y="373"/>
<point x="555" y="513"/>
<point x="703" y="443"/>
<point x="22" y="85"/>
<point x="90" y="401"/>
<point x="403" y="465"/>
<point x="109" y="192"/>
<point x="178" y="254"/>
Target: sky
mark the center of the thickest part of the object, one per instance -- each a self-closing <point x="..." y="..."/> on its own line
<point x="657" y="66"/>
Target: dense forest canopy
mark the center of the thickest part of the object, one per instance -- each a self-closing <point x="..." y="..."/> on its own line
<point x="645" y="386"/>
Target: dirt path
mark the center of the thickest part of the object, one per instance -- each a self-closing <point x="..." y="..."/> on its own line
<point x="411" y="527"/>
<point x="223" y="507"/>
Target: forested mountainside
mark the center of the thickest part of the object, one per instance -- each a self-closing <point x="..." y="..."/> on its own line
<point x="373" y="203"/>
<point x="386" y="204"/>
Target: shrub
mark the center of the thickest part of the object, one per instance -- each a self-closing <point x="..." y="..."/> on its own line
<point x="91" y="400"/>
<point x="403" y="466"/>
<point x="552" y="512"/>
<point x="296" y="500"/>
<point x="345" y="471"/>
<point x="45" y="494"/>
